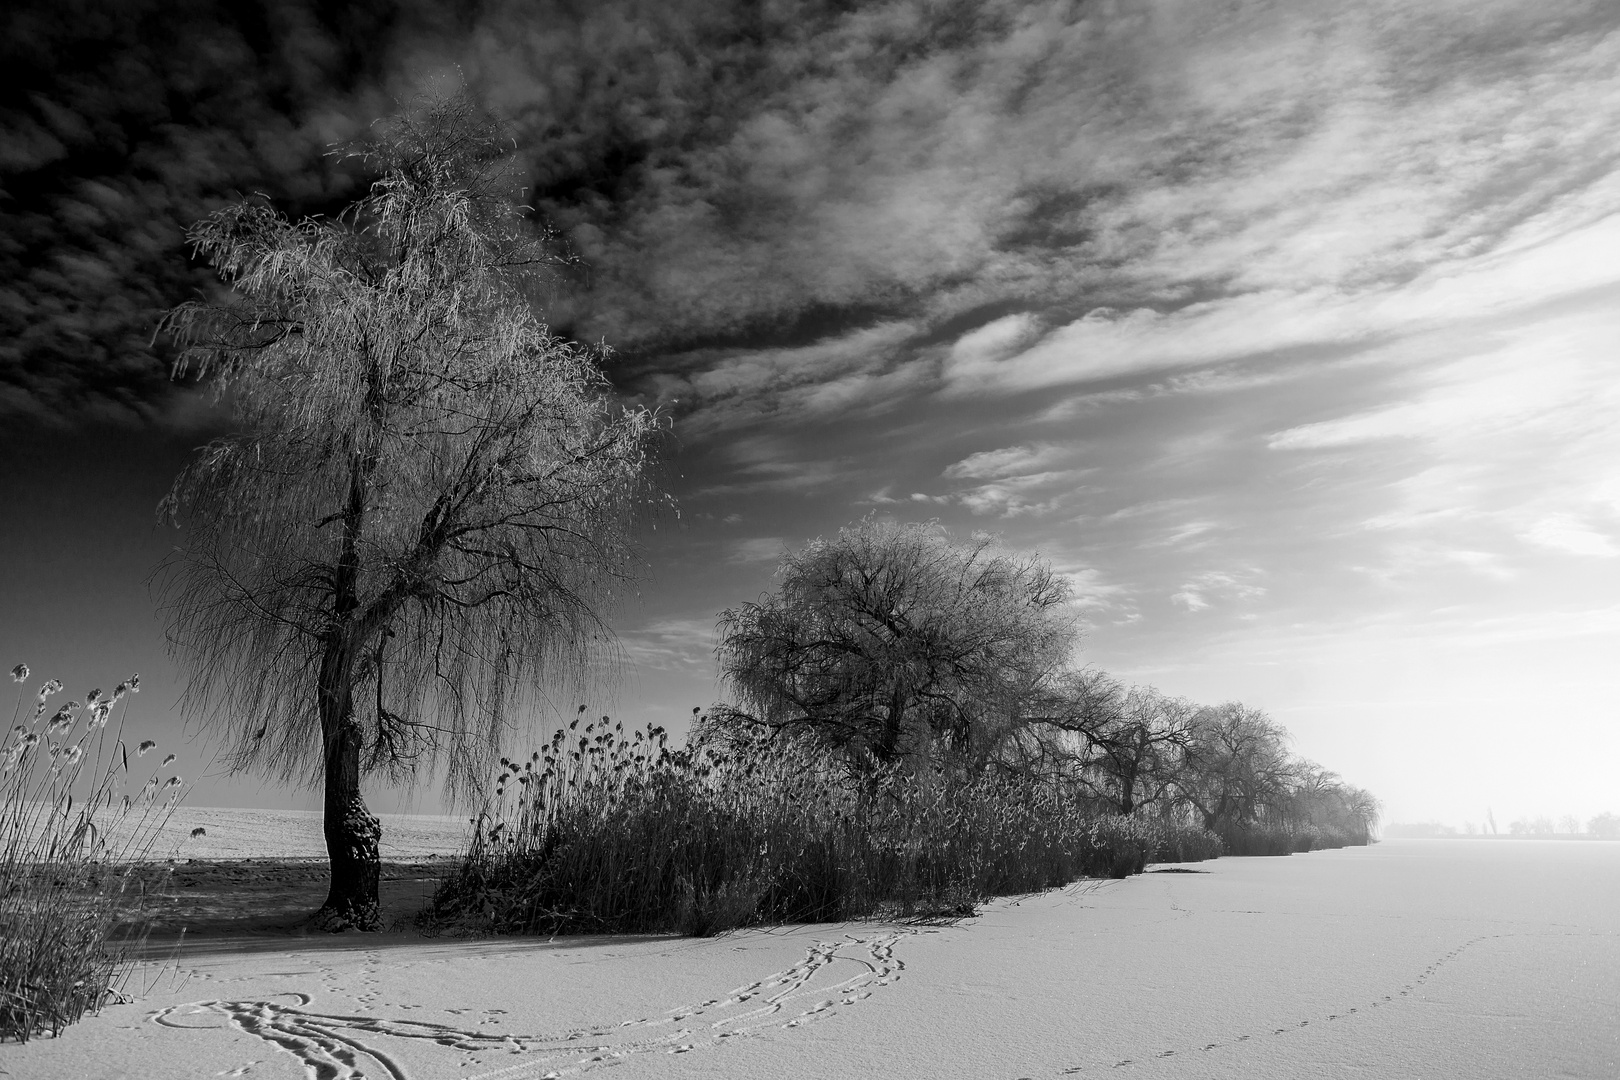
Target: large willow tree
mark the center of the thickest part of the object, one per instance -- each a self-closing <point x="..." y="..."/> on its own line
<point x="425" y="510"/>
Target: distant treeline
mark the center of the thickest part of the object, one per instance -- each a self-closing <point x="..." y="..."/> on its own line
<point x="906" y="733"/>
<point x="1602" y="827"/>
<point x="899" y="643"/>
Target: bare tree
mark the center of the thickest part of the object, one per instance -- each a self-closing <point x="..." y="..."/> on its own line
<point x="1119" y="746"/>
<point x="1138" y="751"/>
<point x="1315" y="796"/>
<point x="889" y="636"/>
<point x="1236" y="765"/>
<point x="1363" y="810"/>
<point x="425" y="510"/>
<point x="1056" y="737"/>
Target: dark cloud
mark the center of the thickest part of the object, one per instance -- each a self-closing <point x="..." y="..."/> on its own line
<point x="747" y="176"/>
<point x="807" y="172"/>
<point x="125" y="122"/>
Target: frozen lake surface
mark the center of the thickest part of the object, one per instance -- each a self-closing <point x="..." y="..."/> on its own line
<point x="1433" y="959"/>
<point x="231" y="833"/>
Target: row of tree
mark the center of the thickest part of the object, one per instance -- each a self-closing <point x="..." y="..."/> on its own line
<point x="897" y="642"/>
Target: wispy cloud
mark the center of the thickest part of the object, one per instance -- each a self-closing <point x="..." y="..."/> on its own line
<point x="1095" y="595"/>
<point x="757" y="549"/>
<point x="1565" y="532"/>
<point x="1005" y="462"/>
<point x="1108" y="343"/>
<point x="774" y="462"/>
<point x="1509" y="427"/>
<point x="1015" y="481"/>
<point x="735" y="387"/>
<point x="1213" y="586"/>
<point x="678" y="645"/>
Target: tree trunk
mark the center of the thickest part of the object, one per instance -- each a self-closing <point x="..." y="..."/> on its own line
<point x="351" y="831"/>
<point x="889" y="735"/>
<point x="1127" y="791"/>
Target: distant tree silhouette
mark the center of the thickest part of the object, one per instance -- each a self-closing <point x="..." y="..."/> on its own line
<point x="425" y="509"/>
<point x="889" y="636"/>
<point x="1236" y="765"/>
<point x="1142" y="750"/>
<point x="1121" y="747"/>
<point x="1313" y="796"/>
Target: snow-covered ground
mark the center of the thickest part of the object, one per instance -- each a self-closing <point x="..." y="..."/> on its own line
<point x="1429" y="959"/>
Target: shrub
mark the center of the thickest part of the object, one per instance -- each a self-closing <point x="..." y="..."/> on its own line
<point x="603" y="832"/>
<point x="1286" y="839"/>
<point x="69" y="904"/>
<point x="1179" y="841"/>
<point x="1258" y="840"/>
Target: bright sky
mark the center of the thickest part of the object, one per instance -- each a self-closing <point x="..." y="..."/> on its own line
<point x="1288" y="330"/>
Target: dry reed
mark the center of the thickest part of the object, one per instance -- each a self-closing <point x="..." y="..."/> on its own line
<point x="604" y="831"/>
<point x="70" y="829"/>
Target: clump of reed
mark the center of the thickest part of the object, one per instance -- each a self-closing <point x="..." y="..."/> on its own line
<point x="606" y="831"/>
<point x="1288" y="838"/>
<point x="71" y="823"/>
<point x="1174" y="839"/>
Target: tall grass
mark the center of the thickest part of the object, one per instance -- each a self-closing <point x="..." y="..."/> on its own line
<point x="70" y="826"/>
<point x="603" y="831"/>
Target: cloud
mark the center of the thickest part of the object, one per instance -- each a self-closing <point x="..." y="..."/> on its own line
<point x="801" y="210"/>
<point x="1564" y="532"/>
<point x="1153" y="508"/>
<point x="1107" y="343"/>
<point x="994" y="340"/>
<point x="1505" y="429"/>
<point x="1013" y="479"/>
<point x="1467" y="398"/>
<point x="685" y="645"/>
<point x="1487" y="563"/>
<point x="1233" y="378"/>
<point x="139" y="119"/>
<point x="1008" y="461"/>
<point x="1205" y="589"/>
<point x="1012" y="497"/>
<point x="1191" y="599"/>
<point x="756" y="550"/>
<point x="728" y="389"/>
<point x="1180" y="535"/>
<point x="1093" y="593"/>
<point x="774" y="462"/>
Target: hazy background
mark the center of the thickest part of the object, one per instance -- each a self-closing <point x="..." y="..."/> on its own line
<point x="1288" y="330"/>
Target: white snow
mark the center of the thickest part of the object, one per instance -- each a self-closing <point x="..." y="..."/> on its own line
<point x="1433" y="959"/>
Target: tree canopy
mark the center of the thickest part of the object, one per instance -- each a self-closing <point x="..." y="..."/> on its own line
<point x="891" y="635"/>
<point x="1237" y="765"/>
